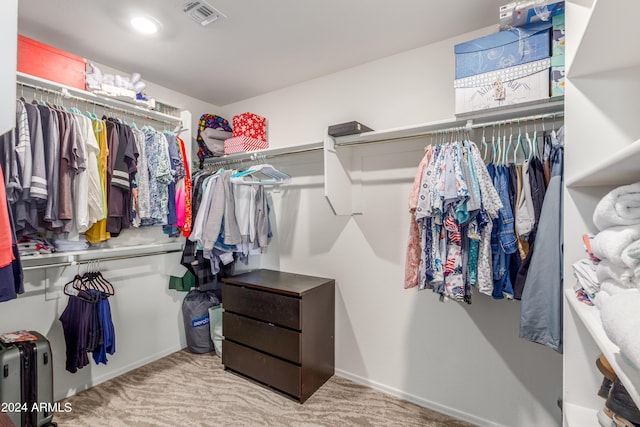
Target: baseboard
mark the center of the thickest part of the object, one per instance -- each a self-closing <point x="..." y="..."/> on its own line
<point x="417" y="400"/>
<point x="117" y="372"/>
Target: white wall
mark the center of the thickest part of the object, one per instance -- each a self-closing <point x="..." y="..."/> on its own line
<point x="8" y="51"/>
<point x="466" y="360"/>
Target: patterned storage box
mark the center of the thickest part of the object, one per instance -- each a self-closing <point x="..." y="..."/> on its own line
<point x="240" y="144"/>
<point x="509" y="86"/>
<point x="504" y="49"/>
<point x="251" y="125"/>
<point x="557" y="35"/>
<point x="557" y="75"/>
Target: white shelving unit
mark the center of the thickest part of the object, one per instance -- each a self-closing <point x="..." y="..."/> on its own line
<point x="580" y="416"/>
<point x="92" y="97"/>
<point x="602" y="150"/>
<point x="61" y="259"/>
<point x="590" y="317"/>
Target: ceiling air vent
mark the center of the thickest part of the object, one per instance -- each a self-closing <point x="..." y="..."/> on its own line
<point x="202" y="12"/>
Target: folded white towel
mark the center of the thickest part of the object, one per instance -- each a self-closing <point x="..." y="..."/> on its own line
<point x="621" y="322"/>
<point x="631" y="255"/>
<point x="609" y="243"/>
<point x="624" y="277"/>
<point x="620" y="207"/>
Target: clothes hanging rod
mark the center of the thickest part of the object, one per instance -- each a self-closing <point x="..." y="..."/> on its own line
<point x="88" y="261"/>
<point x="258" y="156"/>
<point x="134" y="111"/>
<point x="452" y="129"/>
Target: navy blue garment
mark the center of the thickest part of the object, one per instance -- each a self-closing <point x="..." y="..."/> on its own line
<point x="108" y="344"/>
<point x="11" y="276"/>
<point x="75" y="324"/>
<point x="503" y="238"/>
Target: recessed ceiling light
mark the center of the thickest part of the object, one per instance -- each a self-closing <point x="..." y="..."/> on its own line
<point x="144" y="25"/>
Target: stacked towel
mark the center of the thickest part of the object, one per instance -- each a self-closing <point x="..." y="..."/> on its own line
<point x="624" y="277"/>
<point x="620" y="207"/>
<point x="621" y="321"/>
<point x="71" y="245"/>
<point x="610" y="243"/>
<point x="631" y="255"/>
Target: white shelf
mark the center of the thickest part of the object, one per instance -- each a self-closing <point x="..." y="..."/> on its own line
<point x="608" y="40"/>
<point x="92" y="97"/>
<point x="619" y="169"/>
<point x="590" y="316"/>
<point x="45" y="260"/>
<point x="578" y="416"/>
<point x="548" y="106"/>
<point x="266" y="153"/>
<point x="399" y="133"/>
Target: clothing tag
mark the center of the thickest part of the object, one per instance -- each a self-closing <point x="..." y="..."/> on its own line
<point x="226" y="258"/>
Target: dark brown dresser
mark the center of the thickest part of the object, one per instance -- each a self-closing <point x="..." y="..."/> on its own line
<point x="279" y="330"/>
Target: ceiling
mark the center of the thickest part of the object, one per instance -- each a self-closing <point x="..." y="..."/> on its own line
<point x="259" y="47"/>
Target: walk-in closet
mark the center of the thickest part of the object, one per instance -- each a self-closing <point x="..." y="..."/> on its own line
<point x="334" y="214"/>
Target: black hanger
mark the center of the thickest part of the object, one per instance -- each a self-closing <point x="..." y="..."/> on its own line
<point x="75" y="283"/>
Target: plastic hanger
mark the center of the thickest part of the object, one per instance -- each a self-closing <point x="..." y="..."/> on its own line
<point x="529" y="142"/>
<point x="507" y="147"/>
<point x="251" y="175"/>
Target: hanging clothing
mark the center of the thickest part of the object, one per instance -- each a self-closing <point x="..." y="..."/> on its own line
<point x="51" y="142"/>
<point x="188" y="188"/>
<point x="87" y="326"/>
<point x="413" y="259"/>
<point x="536" y="178"/>
<point x="98" y="232"/>
<point x="541" y="311"/>
<point x="455" y="201"/>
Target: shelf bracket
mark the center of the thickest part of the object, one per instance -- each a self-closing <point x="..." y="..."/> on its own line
<point x="341" y="189"/>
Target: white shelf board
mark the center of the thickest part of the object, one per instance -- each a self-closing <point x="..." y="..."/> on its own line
<point x="579" y="416"/>
<point x="608" y="42"/>
<point x="99" y="253"/>
<point x="266" y="153"/>
<point x="590" y="317"/>
<point x="507" y="112"/>
<point x="548" y="106"/>
<point x="90" y="96"/>
<point x="399" y="132"/>
<point x="619" y="169"/>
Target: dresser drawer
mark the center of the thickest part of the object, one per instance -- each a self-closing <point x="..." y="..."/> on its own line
<point x="273" y="308"/>
<point x="263" y="336"/>
<point x="269" y="370"/>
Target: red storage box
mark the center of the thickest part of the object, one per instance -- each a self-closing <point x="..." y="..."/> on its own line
<point x="47" y="62"/>
<point x="240" y="144"/>
<point x="251" y="125"/>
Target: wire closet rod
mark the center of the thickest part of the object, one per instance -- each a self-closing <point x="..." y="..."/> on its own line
<point x="67" y="95"/>
<point x="258" y="156"/>
<point x="469" y="126"/>
<point x="88" y="261"/>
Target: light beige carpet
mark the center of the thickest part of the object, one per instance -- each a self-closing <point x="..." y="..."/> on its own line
<point x="185" y="389"/>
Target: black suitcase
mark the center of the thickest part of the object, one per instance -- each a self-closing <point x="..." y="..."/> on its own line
<point x="26" y="382"/>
